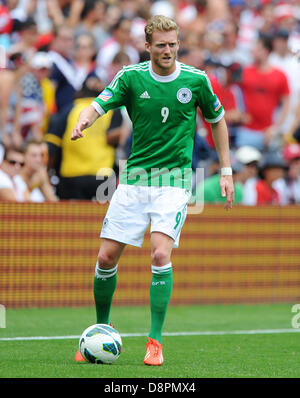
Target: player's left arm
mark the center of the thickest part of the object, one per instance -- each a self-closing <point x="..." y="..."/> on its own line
<point x="220" y="136"/>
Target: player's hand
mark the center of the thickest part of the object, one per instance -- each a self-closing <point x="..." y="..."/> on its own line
<point x="77" y="131"/>
<point x="227" y="190"/>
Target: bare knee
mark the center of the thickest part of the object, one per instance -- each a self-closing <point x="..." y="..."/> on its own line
<point x="109" y="253"/>
<point x="160" y="257"/>
<point x="106" y="260"/>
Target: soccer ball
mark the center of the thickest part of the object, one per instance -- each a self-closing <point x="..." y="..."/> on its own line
<point x="100" y="343"/>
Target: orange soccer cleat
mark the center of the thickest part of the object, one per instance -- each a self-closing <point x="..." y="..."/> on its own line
<point x="154" y="354"/>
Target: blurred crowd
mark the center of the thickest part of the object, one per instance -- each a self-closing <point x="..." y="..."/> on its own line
<point x="57" y="55"/>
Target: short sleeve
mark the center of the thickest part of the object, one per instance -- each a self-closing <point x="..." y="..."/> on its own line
<point x="113" y="96"/>
<point x="210" y="105"/>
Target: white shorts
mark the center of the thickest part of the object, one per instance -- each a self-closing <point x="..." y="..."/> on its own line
<point x="133" y="207"/>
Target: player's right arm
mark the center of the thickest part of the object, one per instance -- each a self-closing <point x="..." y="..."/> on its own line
<point x="113" y="96"/>
<point x="86" y="118"/>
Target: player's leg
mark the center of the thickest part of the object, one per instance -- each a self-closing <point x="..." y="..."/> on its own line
<point x="160" y="293"/>
<point x="168" y="212"/>
<point x="162" y="281"/>
<point x="105" y="279"/>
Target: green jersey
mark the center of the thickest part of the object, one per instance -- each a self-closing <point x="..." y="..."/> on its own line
<point x="163" y="112"/>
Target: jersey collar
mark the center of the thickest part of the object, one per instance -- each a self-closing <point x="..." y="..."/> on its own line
<point x="168" y="78"/>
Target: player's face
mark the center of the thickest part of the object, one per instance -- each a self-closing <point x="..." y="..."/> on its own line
<point x="163" y="51"/>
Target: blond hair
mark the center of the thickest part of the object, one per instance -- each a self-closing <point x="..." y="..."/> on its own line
<point x="159" y="23"/>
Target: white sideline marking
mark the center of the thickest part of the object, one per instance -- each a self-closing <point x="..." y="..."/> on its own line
<point x="204" y="333"/>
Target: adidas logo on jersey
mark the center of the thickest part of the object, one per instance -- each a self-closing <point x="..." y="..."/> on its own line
<point x="145" y="95"/>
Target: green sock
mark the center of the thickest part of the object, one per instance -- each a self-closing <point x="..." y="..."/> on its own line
<point x="160" y="293"/>
<point x="105" y="282"/>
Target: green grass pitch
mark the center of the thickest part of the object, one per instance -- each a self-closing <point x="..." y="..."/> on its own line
<point x="202" y="355"/>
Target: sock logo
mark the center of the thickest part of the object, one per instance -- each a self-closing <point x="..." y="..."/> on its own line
<point x="158" y="283"/>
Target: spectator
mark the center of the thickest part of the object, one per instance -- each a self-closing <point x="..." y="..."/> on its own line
<point x="138" y="36"/>
<point x="43" y="71"/>
<point x="120" y="59"/>
<point x="282" y="59"/>
<point x="65" y="76"/>
<point x="236" y="9"/>
<point x="13" y="161"/>
<point x="193" y="16"/>
<point x="113" y="14"/>
<point x="92" y="20"/>
<point x="80" y="164"/>
<point x="28" y="36"/>
<point x="267" y="24"/>
<point x="6" y="25"/>
<point x="291" y="154"/>
<point x="249" y="23"/>
<point x="7" y="83"/>
<point x="33" y="177"/>
<point x="270" y="187"/>
<point x="162" y="7"/>
<point x="264" y="89"/>
<point x="65" y="12"/>
<point x="25" y="118"/>
<point x="250" y="158"/>
<point x="252" y="84"/>
<point x="285" y="18"/>
<point x="230" y="53"/>
<point x="229" y="93"/>
<point x="85" y="53"/>
<point x="191" y="56"/>
<point x="213" y="43"/>
<point x="232" y="99"/>
<point x="36" y="9"/>
<point x="120" y="41"/>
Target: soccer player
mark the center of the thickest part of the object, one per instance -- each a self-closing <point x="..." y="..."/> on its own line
<point x="161" y="97"/>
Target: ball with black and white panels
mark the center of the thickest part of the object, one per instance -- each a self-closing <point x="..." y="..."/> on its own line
<point x="100" y="344"/>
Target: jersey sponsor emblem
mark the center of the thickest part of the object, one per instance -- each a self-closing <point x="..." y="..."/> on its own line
<point x="184" y="95"/>
<point x="105" y="95"/>
<point x="217" y="105"/>
<point x="145" y="95"/>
